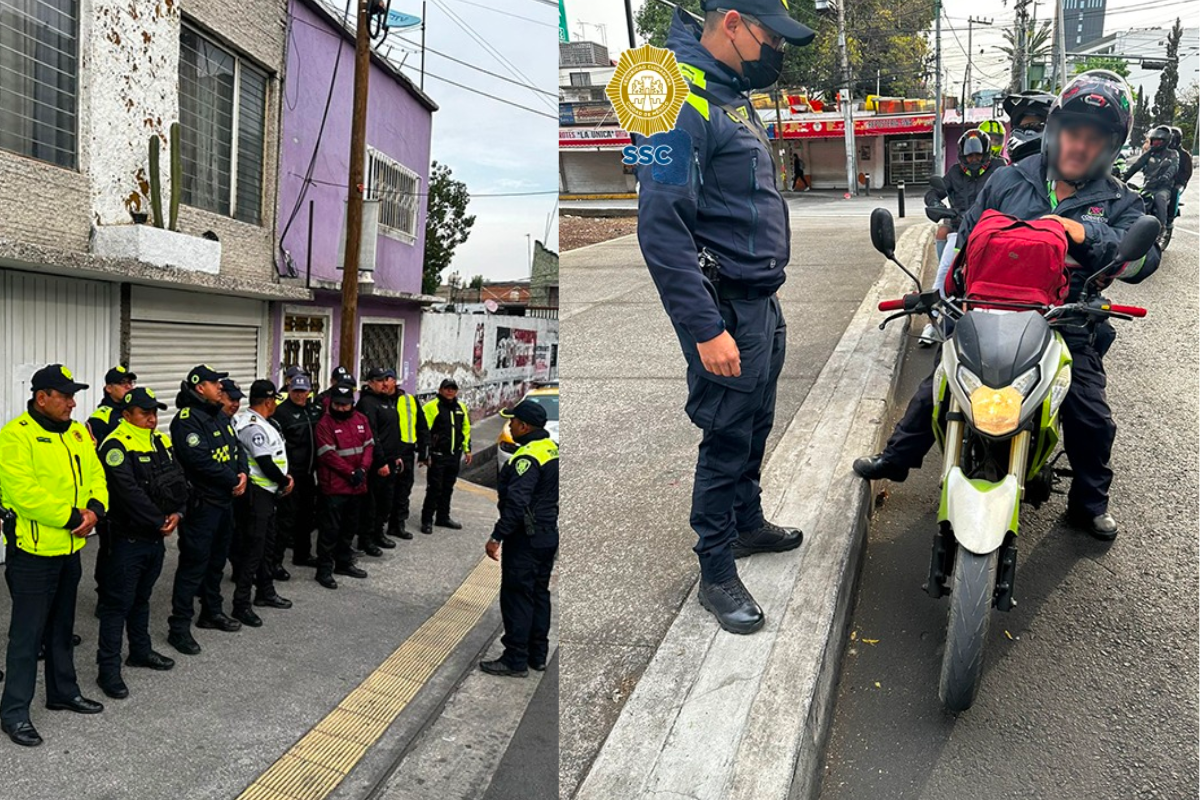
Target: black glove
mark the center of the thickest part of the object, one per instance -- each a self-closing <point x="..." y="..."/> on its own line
<point x="357" y="477"/>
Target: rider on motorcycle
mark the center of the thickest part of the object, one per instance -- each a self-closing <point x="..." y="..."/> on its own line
<point x="1184" y="175"/>
<point x="1159" y="165"/>
<point x="1027" y="112"/>
<point x="1069" y="182"/>
<point x="963" y="181"/>
<point x="994" y="129"/>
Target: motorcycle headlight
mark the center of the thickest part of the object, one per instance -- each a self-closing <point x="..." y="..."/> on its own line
<point x="996" y="411"/>
<point x="1024" y="383"/>
<point x="1059" y="388"/>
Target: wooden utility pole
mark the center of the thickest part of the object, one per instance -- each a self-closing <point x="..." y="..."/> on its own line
<point x="938" y="113"/>
<point x="354" y="197"/>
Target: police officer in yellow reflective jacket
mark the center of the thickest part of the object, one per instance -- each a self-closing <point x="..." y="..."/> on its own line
<point x="118" y="382"/>
<point x="528" y="532"/>
<point x="414" y="438"/>
<point x="149" y="494"/>
<point x="255" y="511"/>
<point x="207" y="447"/>
<point x="52" y="481"/>
<point x="449" y="425"/>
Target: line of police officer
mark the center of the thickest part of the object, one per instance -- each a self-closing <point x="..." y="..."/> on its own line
<point x="218" y="472"/>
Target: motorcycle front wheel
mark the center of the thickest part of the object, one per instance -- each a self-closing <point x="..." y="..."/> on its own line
<point x="971" y="592"/>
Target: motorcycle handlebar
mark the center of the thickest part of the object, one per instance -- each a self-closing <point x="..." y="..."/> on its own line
<point x="891" y="305"/>
<point x="1132" y="311"/>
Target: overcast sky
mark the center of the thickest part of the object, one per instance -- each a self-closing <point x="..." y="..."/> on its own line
<point x="493" y="147"/>
<point x="990" y="67"/>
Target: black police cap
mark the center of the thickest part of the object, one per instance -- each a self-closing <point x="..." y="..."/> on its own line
<point x="56" y="377"/>
<point x="231" y="389"/>
<point x="119" y="374"/>
<point x="202" y="373"/>
<point x="527" y="411"/>
<point x="341" y="394"/>
<point x="772" y="13"/>
<point x="262" y="389"/>
<point x="141" y="397"/>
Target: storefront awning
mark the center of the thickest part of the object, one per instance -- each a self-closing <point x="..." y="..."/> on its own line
<point x="863" y="126"/>
<point x="602" y="138"/>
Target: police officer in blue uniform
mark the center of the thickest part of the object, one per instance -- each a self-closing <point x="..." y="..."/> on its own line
<point x="206" y="446"/>
<point x="714" y="232"/>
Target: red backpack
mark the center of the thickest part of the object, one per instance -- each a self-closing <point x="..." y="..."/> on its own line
<point x="1019" y="261"/>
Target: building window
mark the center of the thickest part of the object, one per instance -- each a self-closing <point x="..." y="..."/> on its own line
<point x="222" y="114"/>
<point x="39" y="65"/>
<point x="398" y="190"/>
<point x="581" y="79"/>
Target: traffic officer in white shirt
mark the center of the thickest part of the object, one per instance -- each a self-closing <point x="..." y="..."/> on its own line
<point x="266" y="452"/>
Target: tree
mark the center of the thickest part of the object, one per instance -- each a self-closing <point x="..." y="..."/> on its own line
<point x="885" y="42"/>
<point x="1164" y="98"/>
<point x="1117" y="65"/>
<point x="447" y="224"/>
<point x="1038" y="42"/>
<point x="1141" y="119"/>
<point x="1186" y="111"/>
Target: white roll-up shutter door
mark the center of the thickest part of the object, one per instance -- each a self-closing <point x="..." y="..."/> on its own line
<point x="170" y="332"/>
<point x="594" y="172"/>
<point x="826" y="163"/>
<point x="46" y="319"/>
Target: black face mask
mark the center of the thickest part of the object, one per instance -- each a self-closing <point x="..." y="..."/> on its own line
<point x="765" y="71"/>
<point x="340" y="414"/>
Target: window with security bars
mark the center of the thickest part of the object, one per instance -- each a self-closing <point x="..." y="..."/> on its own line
<point x="380" y="347"/>
<point x="222" y="116"/>
<point x="398" y="190"/>
<point x="39" y="71"/>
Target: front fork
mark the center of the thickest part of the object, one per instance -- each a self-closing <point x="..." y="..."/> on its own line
<point x="941" y="562"/>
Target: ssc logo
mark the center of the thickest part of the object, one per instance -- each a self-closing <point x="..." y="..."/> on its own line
<point x="647" y="90"/>
<point x="646" y="154"/>
<point x="193" y="440"/>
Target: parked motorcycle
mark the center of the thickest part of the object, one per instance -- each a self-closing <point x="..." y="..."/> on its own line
<point x="1004" y="373"/>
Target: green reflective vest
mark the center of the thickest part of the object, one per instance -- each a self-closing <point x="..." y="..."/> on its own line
<point x="406" y="408"/>
<point x="431" y="414"/>
<point x="541" y="450"/>
<point x="44" y="477"/>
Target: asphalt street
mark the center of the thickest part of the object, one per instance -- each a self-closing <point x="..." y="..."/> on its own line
<point x="211" y="726"/>
<point x="1089" y="689"/>
<point x="627" y="563"/>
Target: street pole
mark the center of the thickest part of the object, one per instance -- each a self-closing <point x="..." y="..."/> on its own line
<point x="848" y="108"/>
<point x="1060" y="45"/>
<point x="354" y="197"/>
<point x="971" y="23"/>
<point x="938" y="157"/>
<point x="424" y="23"/>
<point x="782" y="167"/>
<point x="629" y="23"/>
<point x="1022" y="59"/>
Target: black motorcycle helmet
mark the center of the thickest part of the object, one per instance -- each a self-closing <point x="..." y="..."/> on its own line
<point x="1027" y="114"/>
<point x="1098" y="97"/>
<point x="1160" y="138"/>
<point x="974" y="142"/>
<point x="1176" y="137"/>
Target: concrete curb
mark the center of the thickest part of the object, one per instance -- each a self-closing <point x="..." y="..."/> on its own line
<point x="722" y="717"/>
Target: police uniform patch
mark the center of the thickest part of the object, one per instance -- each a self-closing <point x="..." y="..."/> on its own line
<point x="678" y="168"/>
<point x="259" y="439"/>
<point x="522" y="466"/>
<point x="115" y="457"/>
<point x="78" y="436"/>
<point x="193" y="440"/>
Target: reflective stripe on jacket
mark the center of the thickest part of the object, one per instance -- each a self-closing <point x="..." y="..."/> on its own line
<point x="460" y="429"/>
<point x="44" y="477"/>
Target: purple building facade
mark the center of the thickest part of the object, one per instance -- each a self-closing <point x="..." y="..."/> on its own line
<point x="399" y="130"/>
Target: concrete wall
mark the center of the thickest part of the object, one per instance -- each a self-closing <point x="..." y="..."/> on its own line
<point x="399" y="125"/>
<point x="493" y="358"/>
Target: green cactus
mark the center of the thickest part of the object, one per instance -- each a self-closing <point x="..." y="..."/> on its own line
<point x="155" y="182"/>
<point x="176" y="175"/>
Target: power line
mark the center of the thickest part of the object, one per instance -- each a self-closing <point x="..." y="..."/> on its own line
<point x="504" y="62"/>
<point x="480" y="69"/>
<point x="482" y="93"/>
<point x="508" y="14"/>
<point x="398" y="193"/>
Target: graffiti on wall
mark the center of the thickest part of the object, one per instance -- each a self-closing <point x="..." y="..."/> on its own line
<point x="515" y="348"/>
<point x="477" y="358"/>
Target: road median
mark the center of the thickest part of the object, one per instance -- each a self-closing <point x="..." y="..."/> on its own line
<point x="717" y="716"/>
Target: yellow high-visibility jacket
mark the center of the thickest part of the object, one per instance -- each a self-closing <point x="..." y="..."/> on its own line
<point x="44" y="477"/>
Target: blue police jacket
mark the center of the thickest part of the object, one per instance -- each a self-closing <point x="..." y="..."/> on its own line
<point x="718" y="192"/>
<point x="1105" y="207"/>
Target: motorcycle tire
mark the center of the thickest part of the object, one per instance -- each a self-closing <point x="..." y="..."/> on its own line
<point x="971" y="591"/>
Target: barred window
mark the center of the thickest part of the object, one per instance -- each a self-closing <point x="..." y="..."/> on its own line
<point x="398" y="190"/>
<point x="222" y="116"/>
<point x="39" y="71"/>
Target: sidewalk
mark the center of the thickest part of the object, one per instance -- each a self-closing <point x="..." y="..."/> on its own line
<point x="225" y="719"/>
<point x="627" y="544"/>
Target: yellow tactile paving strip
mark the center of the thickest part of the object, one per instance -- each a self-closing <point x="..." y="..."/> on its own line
<point x="315" y="765"/>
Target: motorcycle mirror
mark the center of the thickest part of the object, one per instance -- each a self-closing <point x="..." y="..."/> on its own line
<point x="883" y="232"/>
<point x="937" y="182"/>
<point x="1138" y="240"/>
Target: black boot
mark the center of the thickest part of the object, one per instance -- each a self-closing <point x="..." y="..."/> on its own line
<point x="426" y="527"/>
<point x="500" y="667"/>
<point x="875" y="468"/>
<point x="350" y="570"/>
<point x="770" y="538"/>
<point x="112" y="686"/>
<point x="384" y="542"/>
<point x="730" y="602"/>
<point x="325" y="578"/>
<point x="402" y="532"/>
<point x="369" y="548"/>
<point x="447" y="522"/>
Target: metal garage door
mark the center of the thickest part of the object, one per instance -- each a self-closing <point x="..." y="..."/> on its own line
<point x="47" y="320"/>
<point x="595" y="172"/>
<point x="827" y="163"/>
<point x="170" y="332"/>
